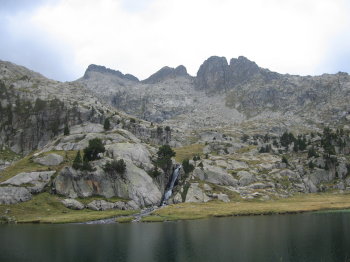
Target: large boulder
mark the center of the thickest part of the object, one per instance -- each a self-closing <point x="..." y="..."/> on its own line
<point x="215" y="175"/>
<point x="73" y="204"/>
<point x="14" y="195"/>
<point x="290" y="174"/>
<point x="35" y="182"/>
<point x="195" y="194"/>
<point x="134" y="184"/>
<point x="100" y="205"/>
<point x="49" y="160"/>
<point x="319" y="176"/>
<point x="137" y="153"/>
<point x="245" y="178"/>
<point x="342" y="170"/>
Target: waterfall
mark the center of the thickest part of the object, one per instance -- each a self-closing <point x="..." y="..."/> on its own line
<point x="169" y="190"/>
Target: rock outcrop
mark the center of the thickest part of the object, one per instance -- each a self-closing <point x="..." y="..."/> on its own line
<point x="167" y="73"/>
<point x="104" y="70"/>
<point x="72" y="204"/>
<point x="135" y="184"/>
<point x="35" y="182"/>
<point x="213" y="74"/>
<point x="14" y="195"/>
<point x="49" y="160"/>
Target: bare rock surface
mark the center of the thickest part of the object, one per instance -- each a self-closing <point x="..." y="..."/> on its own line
<point x="14" y="195"/>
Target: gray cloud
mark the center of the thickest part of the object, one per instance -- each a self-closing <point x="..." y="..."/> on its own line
<point x="25" y="45"/>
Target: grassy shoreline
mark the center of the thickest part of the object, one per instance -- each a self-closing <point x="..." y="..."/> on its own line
<point x="47" y="209"/>
<point x="297" y="204"/>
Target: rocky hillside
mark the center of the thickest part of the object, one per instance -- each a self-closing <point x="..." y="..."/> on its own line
<point x="239" y="131"/>
<point x="224" y="95"/>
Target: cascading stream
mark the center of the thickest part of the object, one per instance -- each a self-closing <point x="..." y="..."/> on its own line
<point x="169" y="191"/>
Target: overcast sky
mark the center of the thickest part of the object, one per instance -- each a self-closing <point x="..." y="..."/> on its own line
<point x="60" y="38"/>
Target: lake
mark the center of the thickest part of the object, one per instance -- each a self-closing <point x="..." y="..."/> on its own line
<point x="302" y="237"/>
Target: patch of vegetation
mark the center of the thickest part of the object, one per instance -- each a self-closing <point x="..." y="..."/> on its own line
<point x="78" y="161"/>
<point x="297" y="204"/>
<point x="26" y="164"/>
<point x="165" y="153"/>
<point x="285" y="160"/>
<point x="124" y="219"/>
<point x="185" y="190"/>
<point x="245" y="149"/>
<point x="188" y="152"/>
<point x="93" y="150"/>
<point x="154" y="172"/>
<point x="8" y="155"/>
<point x="66" y="130"/>
<point x="187" y="167"/>
<point x="47" y="208"/>
<point x="107" y="124"/>
<point x="87" y="200"/>
<point x="115" y="166"/>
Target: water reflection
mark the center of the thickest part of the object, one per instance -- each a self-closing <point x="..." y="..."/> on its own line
<point x="305" y="237"/>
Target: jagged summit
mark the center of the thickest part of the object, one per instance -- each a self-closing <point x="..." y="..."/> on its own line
<point x="105" y="70"/>
<point x="216" y="74"/>
<point x="166" y="73"/>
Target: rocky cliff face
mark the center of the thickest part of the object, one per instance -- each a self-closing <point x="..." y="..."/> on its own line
<point x="213" y="75"/>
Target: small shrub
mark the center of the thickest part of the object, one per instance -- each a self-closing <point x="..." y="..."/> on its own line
<point x="196" y="158"/>
<point x="116" y="166"/>
<point x="244" y="138"/>
<point x="200" y="165"/>
<point x="86" y="166"/>
<point x="285" y="160"/>
<point x="66" y="130"/>
<point x="311" y="165"/>
<point x="159" y="130"/>
<point x="107" y="124"/>
<point x="167" y="129"/>
<point x="312" y="153"/>
<point x="77" y="163"/>
<point x="154" y="172"/>
<point x="95" y="147"/>
<point x="188" y="168"/>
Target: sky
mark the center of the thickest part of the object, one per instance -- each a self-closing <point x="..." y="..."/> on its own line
<point x="60" y="38"/>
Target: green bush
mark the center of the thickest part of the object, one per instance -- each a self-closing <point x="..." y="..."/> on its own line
<point x="312" y="153"/>
<point x="107" y="124"/>
<point x="154" y="172"/>
<point x="188" y="168"/>
<point x="77" y="163"/>
<point x="66" y="130"/>
<point x="116" y="166"/>
<point x="165" y="153"/>
<point x="95" y="147"/>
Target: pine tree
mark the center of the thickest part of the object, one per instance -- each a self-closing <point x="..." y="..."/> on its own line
<point x="107" y="124"/>
<point x="77" y="163"/>
<point x="66" y="131"/>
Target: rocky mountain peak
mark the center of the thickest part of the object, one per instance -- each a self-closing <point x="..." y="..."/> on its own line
<point x="243" y="64"/>
<point x="213" y="73"/>
<point x="104" y="70"/>
<point x="166" y="73"/>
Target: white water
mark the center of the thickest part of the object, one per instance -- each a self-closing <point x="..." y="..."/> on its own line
<point x="174" y="177"/>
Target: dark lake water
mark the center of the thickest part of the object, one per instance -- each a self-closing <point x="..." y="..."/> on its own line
<point x="303" y="237"/>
